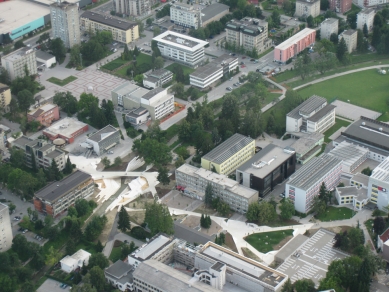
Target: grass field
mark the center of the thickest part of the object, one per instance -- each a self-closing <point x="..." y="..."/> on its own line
<point x="265" y="241"/>
<point x="338" y="124"/>
<point x="62" y="82"/>
<point x="187" y="70"/>
<point x="114" y="64"/>
<point x="141" y="59"/>
<point x="115" y="254"/>
<point x="333" y="213"/>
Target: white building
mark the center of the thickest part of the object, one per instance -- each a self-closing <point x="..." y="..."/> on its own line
<point x="75" y="261"/>
<point x="328" y="27"/>
<point x="119" y="275"/>
<point x="104" y="139"/>
<point x="314" y="115"/>
<point x="186" y="15"/>
<point x="304" y="185"/>
<point x="138" y="117"/>
<point x="6" y="236"/>
<point x="350" y="37"/>
<point x="307" y="8"/>
<point x="378" y="189"/>
<point x="369" y="3"/>
<point x="16" y="61"/>
<point x="157" y="78"/>
<point x="351" y="155"/>
<point x="354" y="194"/>
<point x="132" y="7"/>
<point x="45" y="58"/>
<point x="181" y="48"/>
<point x="366" y="16"/>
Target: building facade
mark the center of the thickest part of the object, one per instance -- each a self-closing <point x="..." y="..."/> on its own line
<point x="75" y="261"/>
<point x="251" y="33"/>
<point x="119" y="275"/>
<point x="350" y="37"/>
<point x="365" y="16"/>
<point x="58" y="196"/>
<point x="5" y="96"/>
<point x="378" y="188"/>
<point x="185" y="15"/>
<point x="192" y="181"/>
<point x="6" y="236"/>
<point x="122" y="30"/>
<point x="104" y="139"/>
<point x="46" y="59"/>
<point x="157" y="78"/>
<point x="307" y="8"/>
<point x="65" y="23"/>
<point x="181" y="48"/>
<point x="328" y="27"/>
<point x="369" y="3"/>
<point x="45" y="114"/>
<point x="16" y="62"/>
<point x="294" y="45"/>
<point x="340" y="6"/>
<point x="138" y="117"/>
<point x="229" y="155"/>
<point x="132" y="7"/>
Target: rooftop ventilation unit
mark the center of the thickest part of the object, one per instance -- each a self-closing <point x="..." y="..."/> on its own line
<point x="259" y="164"/>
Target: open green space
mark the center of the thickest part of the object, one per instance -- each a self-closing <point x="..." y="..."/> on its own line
<point x="141" y="59"/>
<point x="333" y="213"/>
<point x="114" y="64"/>
<point x="185" y="69"/>
<point x="264" y="242"/>
<point x="338" y="124"/>
<point x="62" y="82"/>
<point x="116" y="253"/>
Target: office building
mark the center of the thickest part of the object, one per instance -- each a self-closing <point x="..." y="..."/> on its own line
<point x="181" y="48"/>
<point x="305" y="8"/>
<point x="378" y="189"/>
<point x="45" y="59"/>
<point x="213" y="12"/>
<point x="104" y="139"/>
<point x="158" y="101"/>
<point x="119" y="275"/>
<point x="138" y="117"/>
<point x="249" y="33"/>
<point x="157" y="78"/>
<point x="294" y="45"/>
<point x="45" y="114"/>
<point x="6" y="236"/>
<point x="16" y="62"/>
<point x="365" y="16"/>
<point x="75" y="261"/>
<point x="314" y="115"/>
<point x="369" y="133"/>
<point x="43" y="151"/>
<point x="132" y="7"/>
<point x="122" y="31"/>
<point x="354" y="194"/>
<point x="340" y="6"/>
<point x="65" y="23"/>
<point x="304" y="185"/>
<point x="67" y="129"/>
<point x="350" y="36"/>
<point x="328" y="27"/>
<point x="218" y="68"/>
<point x="266" y="169"/>
<point x="351" y="155"/>
<point x="57" y="197"/>
<point x="192" y="181"/>
<point x="5" y="96"/>
<point x="185" y="15"/>
<point x="229" y="155"/>
<point x="369" y="3"/>
<point x="307" y="146"/>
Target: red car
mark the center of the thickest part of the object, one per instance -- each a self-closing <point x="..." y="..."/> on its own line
<point x="242" y="66"/>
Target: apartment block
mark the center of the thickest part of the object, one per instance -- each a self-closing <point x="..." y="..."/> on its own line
<point x="251" y="33"/>
<point x="369" y="3"/>
<point x="45" y="114"/>
<point x="65" y="23"/>
<point x="307" y="8"/>
<point x="192" y="181"/>
<point x="6" y="236"/>
<point x="58" y="196"/>
<point x="16" y="63"/>
<point x="304" y="185"/>
<point x="5" y="96"/>
<point x="378" y="188"/>
<point x="122" y="31"/>
<point x="365" y="16"/>
<point x="185" y="15"/>
<point x="350" y="36"/>
<point x="229" y="155"/>
<point x="328" y="27"/>
<point x="340" y="6"/>
<point x="132" y="7"/>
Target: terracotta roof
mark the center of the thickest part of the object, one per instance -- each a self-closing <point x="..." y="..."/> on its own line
<point x="385" y="236"/>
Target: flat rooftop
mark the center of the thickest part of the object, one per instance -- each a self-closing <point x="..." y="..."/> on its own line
<point x="159" y="73"/>
<point x="361" y="178"/>
<point x="212" y="10"/>
<point x="307" y="106"/>
<point x="18" y="54"/>
<point x="118" y="269"/>
<point x="360" y="193"/>
<point x="151" y="93"/>
<point x="22" y="141"/>
<point x="265" y="161"/>
<point x="180" y="41"/>
<point x="330" y="21"/>
<point x="306" y="142"/>
<point x="36" y="112"/>
<point x="146" y="251"/>
<point x="130" y="90"/>
<point x="322" y="113"/>
<point x="367" y="11"/>
<point x="248" y="25"/>
<point x="43" y="55"/>
<point x="65" y="127"/>
<point x="109" y="20"/>
<point x="349" y="32"/>
<point x="103" y="133"/>
<point x="381" y="172"/>
<point x="292" y="40"/>
<point x="207" y="70"/>
<point x="349" y="153"/>
<point x="17" y="13"/>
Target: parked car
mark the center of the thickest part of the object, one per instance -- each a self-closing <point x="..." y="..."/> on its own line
<point x="244" y="57"/>
<point x="233" y="54"/>
<point x="231" y="78"/>
<point x="252" y="60"/>
<point x="229" y="88"/>
<point x="25" y="231"/>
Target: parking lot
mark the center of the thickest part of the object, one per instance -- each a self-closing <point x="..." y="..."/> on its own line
<point x="52" y="286"/>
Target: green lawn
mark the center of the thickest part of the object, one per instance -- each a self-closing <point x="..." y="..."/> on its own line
<point x="62" y="82"/>
<point x="338" y="124"/>
<point x="333" y="213"/>
<point x="187" y="70"/>
<point x="264" y="242"/>
<point x="115" y="254"/>
<point x="141" y="59"/>
<point x="114" y="64"/>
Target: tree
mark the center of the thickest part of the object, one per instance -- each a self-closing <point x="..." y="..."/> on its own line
<point x="221" y="239"/>
<point x="82" y="207"/>
<point x="379" y="225"/>
<point x="159" y="62"/>
<point x="303" y="67"/>
<point x="98" y="260"/>
<point x="223" y="208"/>
<point x="334" y="38"/>
<point x="253" y="212"/>
<point x="68" y="166"/>
<point x="106" y="162"/>
<point x="99" y="246"/>
<point x="276" y="18"/>
<point x="267" y="212"/>
<point x="66" y="101"/>
<point x="153" y="151"/>
<point x="178" y="89"/>
<point x="208" y="197"/>
<point x="156" y="31"/>
<point x="95" y="227"/>
<point x="327" y="61"/>
<point x="163" y="175"/>
<point x="25" y="100"/>
<point x="127" y="249"/>
<point x="70" y="247"/>
<point x="92" y="51"/>
<point x="11" y="207"/>
<point x="54" y="171"/>
<point x="97" y="278"/>
<point x="365" y="30"/>
<point x="21" y="246"/>
<point x="52" y="257"/>
<point x="75" y="56"/>
<point x="324" y="194"/>
<point x="287" y="209"/>
<point x="310" y="21"/>
<point x="19" y="44"/>
<point x="104" y="37"/>
<point x="58" y="49"/>
<point x="362" y="42"/>
<point x="8" y="284"/>
<point x="149" y="21"/>
<point x="367" y="171"/>
<point x="342" y="52"/>
<point x="288" y="286"/>
<point x="230" y="111"/>
<point x="304" y="285"/>
<point x="158" y="218"/>
<point x="124" y="223"/>
<point x="180" y="161"/>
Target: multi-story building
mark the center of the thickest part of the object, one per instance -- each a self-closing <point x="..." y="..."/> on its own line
<point x="378" y="188"/>
<point x="303" y="186"/>
<point x="157" y="101"/>
<point x="229" y="155"/>
<point x="328" y="27"/>
<point x="157" y="78"/>
<point x="70" y="263"/>
<point x="307" y="146"/>
<point x="314" y="115"/>
<point x="354" y="194"/>
<point x="350" y="37"/>
<point x="294" y="45"/>
<point x="65" y="23"/>
<point x="351" y="155"/>
<point x="249" y="33"/>
<point x="5" y="96"/>
<point x="365" y="16"/>
<point x="181" y="48"/>
<point x="42" y="151"/>
<point x="138" y="117"/>
<point x="307" y="8"/>
<point x="369" y="3"/>
<point x="5" y="229"/>
<point x="266" y="169"/>
<point x="45" y="114"/>
<point x="16" y="63"/>
<point x="122" y="31"/>
<point x="67" y="129"/>
<point x="119" y="275"/>
<point x="185" y="15"/>
<point x="132" y="7"/>
<point x="45" y="59"/>
<point x="58" y="196"/>
<point x="340" y="6"/>
<point x="213" y="71"/>
<point x="104" y="139"/>
<point x="193" y="182"/>
<point x="213" y="12"/>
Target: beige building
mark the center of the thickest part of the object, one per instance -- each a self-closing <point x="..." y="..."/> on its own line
<point x="16" y="62"/>
<point x="122" y="31"/>
<point x="132" y="7"/>
<point x="5" y="96"/>
<point x="328" y="27"/>
<point x="350" y="37"/>
<point x="366" y="16"/>
<point x="5" y="229"/>
<point x="307" y="8"/>
<point x="186" y="15"/>
<point x="65" y="23"/>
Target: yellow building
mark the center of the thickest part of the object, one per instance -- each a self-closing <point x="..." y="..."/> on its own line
<point x="5" y="97"/>
<point x="122" y="31"/>
<point x="229" y="155"/>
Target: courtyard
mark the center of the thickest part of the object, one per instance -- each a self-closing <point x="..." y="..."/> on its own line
<point x="268" y="241"/>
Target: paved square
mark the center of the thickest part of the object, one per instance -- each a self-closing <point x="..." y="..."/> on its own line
<point x="315" y="255"/>
<point x="353" y="112"/>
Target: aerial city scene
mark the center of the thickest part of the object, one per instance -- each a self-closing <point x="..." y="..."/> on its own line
<point x="194" y="145"/>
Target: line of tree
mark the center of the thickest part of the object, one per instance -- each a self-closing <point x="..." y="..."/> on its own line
<point x="205" y="221"/>
<point x="321" y="202"/>
<point x="158" y="218"/>
<point x="221" y="239"/>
